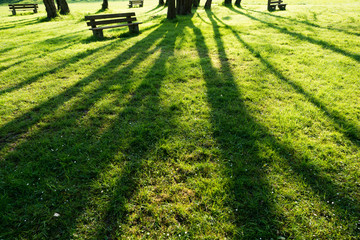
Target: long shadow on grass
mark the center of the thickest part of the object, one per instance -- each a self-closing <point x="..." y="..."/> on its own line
<point x="305" y="22"/>
<point x="342" y="124"/>
<point x="317" y="178"/>
<point x="66" y="39"/>
<point x="20" y="23"/>
<point x="238" y="135"/>
<point x="151" y="123"/>
<point x="39" y="47"/>
<point x="53" y="168"/>
<point x="321" y="43"/>
<point x="10" y="132"/>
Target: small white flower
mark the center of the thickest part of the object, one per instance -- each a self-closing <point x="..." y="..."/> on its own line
<point x="56" y="215"/>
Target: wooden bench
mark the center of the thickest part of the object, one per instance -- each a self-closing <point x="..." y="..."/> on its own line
<point x="126" y="19"/>
<point x="272" y="5"/>
<point x="132" y="3"/>
<point x="23" y="7"/>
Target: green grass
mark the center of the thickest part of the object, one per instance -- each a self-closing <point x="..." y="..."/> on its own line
<point x="236" y="123"/>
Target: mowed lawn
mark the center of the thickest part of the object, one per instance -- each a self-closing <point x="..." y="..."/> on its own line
<point x="234" y="123"/>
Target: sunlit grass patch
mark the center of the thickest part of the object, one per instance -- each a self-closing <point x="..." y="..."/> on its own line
<point x="233" y="123"/>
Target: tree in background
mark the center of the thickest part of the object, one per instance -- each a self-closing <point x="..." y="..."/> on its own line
<point x="50" y="8"/>
<point x="196" y="3"/>
<point x="208" y="4"/>
<point x="183" y="7"/>
<point x="238" y="3"/>
<point x="63" y="7"/>
<point x="161" y="2"/>
<point x="227" y="2"/>
<point x="105" y="5"/>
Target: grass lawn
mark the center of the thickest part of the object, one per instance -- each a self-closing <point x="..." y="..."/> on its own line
<point x="234" y="123"/>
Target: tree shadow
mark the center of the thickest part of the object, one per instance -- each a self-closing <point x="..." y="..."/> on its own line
<point x="53" y="168"/>
<point x="21" y="23"/>
<point x="238" y="135"/>
<point x="148" y="117"/>
<point x="342" y="124"/>
<point x="321" y="43"/>
<point x="314" y="175"/>
<point x="13" y="130"/>
<point x="158" y="8"/>
<point x="68" y="40"/>
<point x="306" y="22"/>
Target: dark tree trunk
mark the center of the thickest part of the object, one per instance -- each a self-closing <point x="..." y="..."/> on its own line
<point x="196" y="3"/>
<point x="188" y="6"/>
<point x="166" y="3"/>
<point x="208" y="4"/>
<point x="183" y="7"/>
<point x="64" y="7"/>
<point x="105" y="5"/>
<point x="227" y="2"/>
<point x="171" y="14"/>
<point x="50" y="8"/>
<point x="238" y="3"/>
<point x="161" y="2"/>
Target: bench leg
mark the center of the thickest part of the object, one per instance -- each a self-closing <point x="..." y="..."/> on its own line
<point x="134" y="28"/>
<point x="35" y="10"/>
<point x="282" y="7"/>
<point x="271" y="8"/>
<point x="14" y="12"/>
<point x="98" y="33"/>
<point x="130" y="5"/>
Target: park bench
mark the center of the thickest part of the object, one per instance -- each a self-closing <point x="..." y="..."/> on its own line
<point x="272" y="5"/>
<point x="132" y="3"/>
<point x="112" y="20"/>
<point x="23" y="7"/>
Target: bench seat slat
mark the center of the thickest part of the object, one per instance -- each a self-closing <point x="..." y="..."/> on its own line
<point x="109" y="16"/>
<point x="115" y="26"/>
<point x="19" y="7"/>
<point x="23" y="5"/>
<point x="104" y="22"/>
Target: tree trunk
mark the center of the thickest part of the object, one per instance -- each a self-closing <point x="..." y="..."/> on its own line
<point x="227" y="2"/>
<point x="188" y="6"/>
<point x="105" y="5"/>
<point x="238" y="3"/>
<point x="183" y="7"/>
<point x="50" y="8"/>
<point x="171" y="14"/>
<point x="196" y="3"/>
<point x="64" y="7"/>
<point x="208" y="4"/>
<point x="161" y="2"/>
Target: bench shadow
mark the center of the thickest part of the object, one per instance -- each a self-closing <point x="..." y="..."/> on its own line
<point x="325" y="187"/>
<point x="57" y="178"/>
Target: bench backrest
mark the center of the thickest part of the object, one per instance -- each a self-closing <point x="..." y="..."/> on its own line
<point x="25" y="5"/>
<point x="95" y="20"/>
<point x="136" y="1"/>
